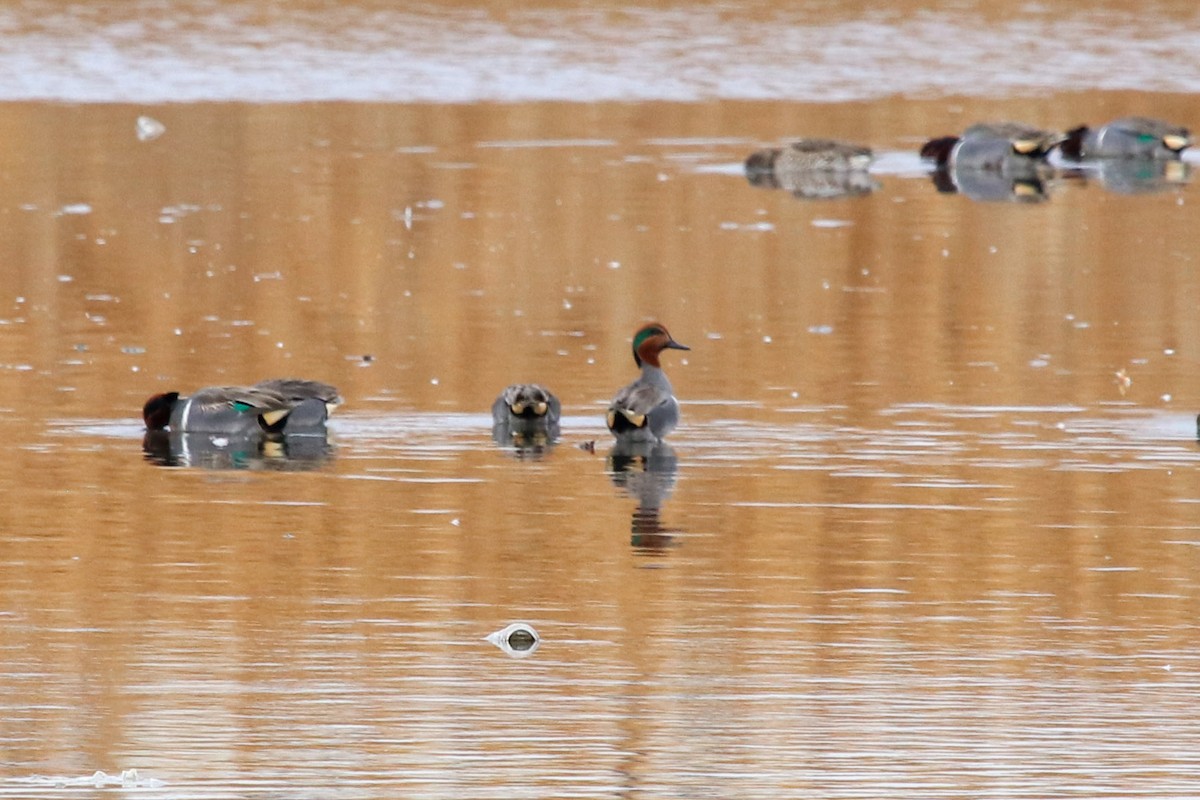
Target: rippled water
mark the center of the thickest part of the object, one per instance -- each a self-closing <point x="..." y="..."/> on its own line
<point x="151" y="51"/>
<point x="927" y="529"/>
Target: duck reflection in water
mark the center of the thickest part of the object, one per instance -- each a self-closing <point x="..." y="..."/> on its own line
<point x="646" y="471"/>
<point x="1134" y="176"/>
<point x="525" y="417"/>
<point x="294" y="453"/>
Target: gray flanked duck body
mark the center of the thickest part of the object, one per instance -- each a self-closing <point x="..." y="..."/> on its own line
<point x="646" y="410"/>
<point x="992" y="146"/>
<point x="993" y="161"/>
<point x="266" y="407"/>
<point x="1128" y="138"/>
<point x="813" y="168"/>
<point x="525" y="414"/>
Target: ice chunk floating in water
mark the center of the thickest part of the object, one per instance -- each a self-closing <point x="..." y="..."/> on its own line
<point x="149" y="129"/>
<point x="517" y="640"/>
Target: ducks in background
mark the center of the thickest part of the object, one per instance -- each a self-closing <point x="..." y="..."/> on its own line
<point x="646" y="410"/>
<point x="1128" y="137"/>
<point x="277" y="406"/>
<point x="1130" y="155"/>
<point x="992" y="145"/>
<point x="993" y="161"/>
<point x="813" y="168"/>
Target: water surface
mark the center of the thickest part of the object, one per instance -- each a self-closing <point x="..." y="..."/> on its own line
<point x="928" y="528"/>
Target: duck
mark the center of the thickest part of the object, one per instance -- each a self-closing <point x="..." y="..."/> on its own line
<point x="646" y="410"/>
<point x="813" y="169"/>
<point x="525" y="412"/>
<point x="1128" y="137"/>
<point x="825" y="155"/>
<point x="266" y="407"/>
<point x="992" y="146"/>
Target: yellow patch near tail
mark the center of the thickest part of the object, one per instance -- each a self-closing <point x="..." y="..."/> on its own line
<point x="635" y="419"/>
<point x="1176" y="142"/>
<point x="272" y="418"/>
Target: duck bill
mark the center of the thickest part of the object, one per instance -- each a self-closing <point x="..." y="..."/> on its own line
<point x="674" y="345"/>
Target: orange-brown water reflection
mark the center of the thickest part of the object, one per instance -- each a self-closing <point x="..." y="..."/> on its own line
<point x="914" y="541"/>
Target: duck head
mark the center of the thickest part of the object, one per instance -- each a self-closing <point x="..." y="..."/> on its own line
<point x="1072" y="144"/>
<point x="156" y="413"/>
<point x="938" y="150"/>
<point x="649" y="341"/>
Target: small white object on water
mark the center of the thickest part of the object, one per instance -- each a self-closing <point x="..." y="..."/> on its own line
<point x="149" y="129"/>
<point x="1166" y="398"/>
<point x="518" y="640"/>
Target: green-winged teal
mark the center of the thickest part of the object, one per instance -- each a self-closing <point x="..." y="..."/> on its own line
<point x="813" y="168"/>
<point x="525" y="413"/>
<point x="1128" y="137"/>
<point x="239" y="410"/>
<point x="992" y="145"/>
<point x="646" y="410"/>
<point x="823" y="155"/>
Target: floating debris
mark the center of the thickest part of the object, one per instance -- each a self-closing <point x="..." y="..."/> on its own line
<point x="518" y="640"/>
<point x="149" y="129"/>
<point x="128" y="779"/>
<point x="1123" y="381"/>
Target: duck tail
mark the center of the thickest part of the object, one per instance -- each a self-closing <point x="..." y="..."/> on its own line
<point x="275" y="420"/>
